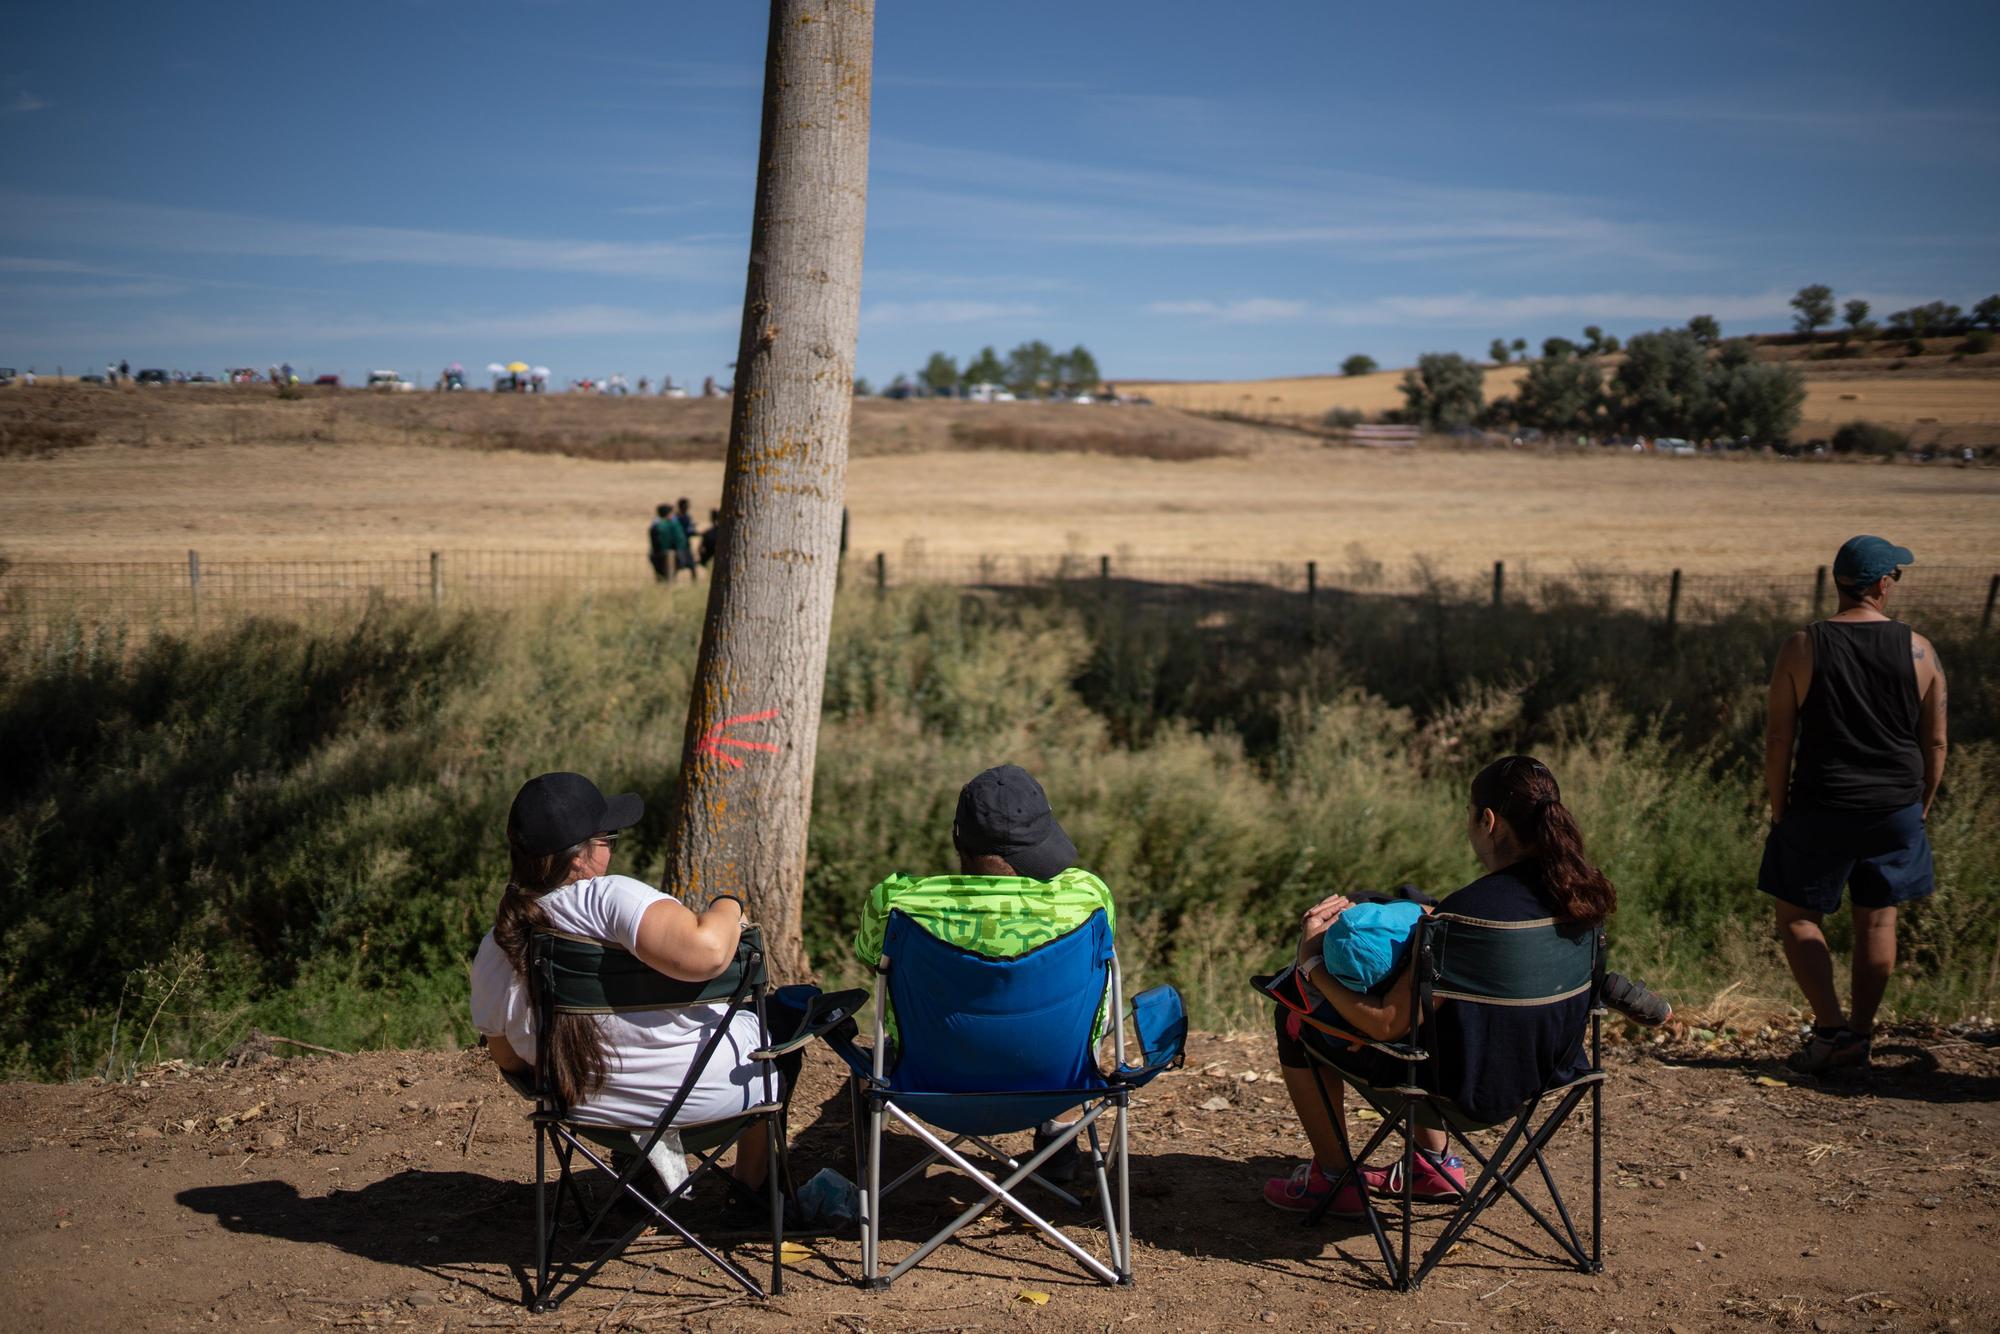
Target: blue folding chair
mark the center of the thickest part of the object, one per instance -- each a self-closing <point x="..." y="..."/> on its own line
<point x="988" y="1047"/>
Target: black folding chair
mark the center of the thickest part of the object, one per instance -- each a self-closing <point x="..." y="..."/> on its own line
<point x="577" y="975"/>
<point x="1470" y="961"/>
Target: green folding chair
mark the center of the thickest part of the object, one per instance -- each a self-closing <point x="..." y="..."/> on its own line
<point x="1470" y="961"/>
<point x="577" y="975"/>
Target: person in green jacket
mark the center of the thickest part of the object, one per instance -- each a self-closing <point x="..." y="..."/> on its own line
<point x="1018" y="886"/>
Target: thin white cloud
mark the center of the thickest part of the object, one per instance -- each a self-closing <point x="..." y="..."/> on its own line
<point x="103" y="222"/>
<point x="34" y="264"/>
<point x="1849" y="118"/>
<point x="887" y="313"/>
<point x="25" y="101"/>
<point x="1253" y="310"/>
<point x="305" y="327"/>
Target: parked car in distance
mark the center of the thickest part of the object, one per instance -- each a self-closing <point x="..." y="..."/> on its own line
<point x="330" y="381"/>
<point x="90" y="379"/>
<point x="150" y="377"/>
<point x="7" y="374"/>
<point x="201" y="377"/>
<point x="389" y="382"/>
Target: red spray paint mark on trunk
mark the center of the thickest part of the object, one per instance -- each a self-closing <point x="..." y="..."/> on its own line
<point x="713" y="740"/>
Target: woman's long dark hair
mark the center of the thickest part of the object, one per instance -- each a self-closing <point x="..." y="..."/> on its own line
<point x="578" y="1061"/>
<point x="1521" y="790"/>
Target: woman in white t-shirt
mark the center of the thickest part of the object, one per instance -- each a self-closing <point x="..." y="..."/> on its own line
<point x="614" y="1069"/>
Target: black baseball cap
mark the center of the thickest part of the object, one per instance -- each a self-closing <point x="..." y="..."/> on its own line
<point x="557" y="811"/>
<point x="1005" y="813"/>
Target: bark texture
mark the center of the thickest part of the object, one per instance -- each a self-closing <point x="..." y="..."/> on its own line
<point x="745" y="795"/>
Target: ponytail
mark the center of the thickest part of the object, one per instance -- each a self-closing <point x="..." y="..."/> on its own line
<point x="573" y="1049"/>
<point x="1522" y="792"/>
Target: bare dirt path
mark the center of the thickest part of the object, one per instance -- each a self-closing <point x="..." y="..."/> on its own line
<point x="387" y="1189"/>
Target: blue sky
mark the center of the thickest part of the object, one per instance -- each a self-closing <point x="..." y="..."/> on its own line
<point x="407" y="184"/>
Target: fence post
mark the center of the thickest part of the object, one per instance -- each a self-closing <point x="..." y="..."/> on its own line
<point x="194" y="584"/>
<point x="1499" y="583"/>
<point x="881" y="571"/>
<point x="437" y="579"/>
<point x="1673" y="603"/>
<point x="1104" y="568"/>
<point x="1312" y="582"/>
<point x="1819" y="593"/>
<point x="1992" y="596"/>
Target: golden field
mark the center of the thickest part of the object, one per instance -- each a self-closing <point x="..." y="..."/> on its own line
<point x="241" y="474"/>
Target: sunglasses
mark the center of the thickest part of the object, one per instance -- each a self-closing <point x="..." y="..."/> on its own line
<point x="608" y="840"/>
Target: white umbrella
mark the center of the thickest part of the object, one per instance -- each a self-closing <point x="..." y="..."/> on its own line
<point x="495" y="368"/>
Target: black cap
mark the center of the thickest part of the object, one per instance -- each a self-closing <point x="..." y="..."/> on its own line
<point x="557" y="811"/>
<point x="1005" y="813"/>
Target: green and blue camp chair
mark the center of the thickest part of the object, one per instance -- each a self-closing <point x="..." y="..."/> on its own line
<point x="988" y="1047"/>
<point x="1470" y="961"/>
<point x="577" y="975"/>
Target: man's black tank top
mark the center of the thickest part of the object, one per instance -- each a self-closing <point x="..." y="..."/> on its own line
<point x="1858" y="727"/>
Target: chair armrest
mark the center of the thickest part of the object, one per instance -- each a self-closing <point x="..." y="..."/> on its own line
<point x="826" y="1012"/>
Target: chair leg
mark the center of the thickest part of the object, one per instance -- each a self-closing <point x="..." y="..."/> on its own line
<point x="1112" y="1234"/>
<point x="1124" y="1147"/>
<point x="1596" y="1179"/>
<point x="541" y="1219"/>
<point x="1409" y="1185"/>
<point x="871" y="1201"/>
<point x="774" y="1172"/>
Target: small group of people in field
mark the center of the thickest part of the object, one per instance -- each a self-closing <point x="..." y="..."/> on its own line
<point x="674" y="542"/>
<point x="1856" y="753"/>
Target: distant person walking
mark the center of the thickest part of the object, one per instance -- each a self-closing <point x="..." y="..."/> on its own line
<point x="125" y="371"/>
<point x="1854" y="749"/>
<point x="660" y="542"/>
<point x="684" y="544"/>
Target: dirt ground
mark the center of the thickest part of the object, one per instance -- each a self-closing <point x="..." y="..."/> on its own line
<point x="389" y="1189"/>
<point x="283" y="493"/>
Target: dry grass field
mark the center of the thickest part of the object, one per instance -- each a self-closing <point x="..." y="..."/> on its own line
<point x="1934" y="400"/>
<point x="242" y="474"/>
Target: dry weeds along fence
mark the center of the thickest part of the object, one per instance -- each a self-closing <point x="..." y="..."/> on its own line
<point x="141" y="596"/>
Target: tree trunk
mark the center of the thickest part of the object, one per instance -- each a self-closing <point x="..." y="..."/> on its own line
<point x="745" y="793"/>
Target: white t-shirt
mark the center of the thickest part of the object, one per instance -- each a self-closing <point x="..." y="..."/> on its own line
<point x="650" y="1050"/>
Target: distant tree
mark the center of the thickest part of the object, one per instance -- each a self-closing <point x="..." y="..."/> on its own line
<point x="1855" y="315"/>
<point x="986" y="368"/>
<point x="1814" y="305"/>
<point x="900" y="387"/>
<point x="940" y="374"/>
<point x="1562" y="395"/>
<point x="1705" y="330"/>
<point x="1443" y="392"/>
<point x="1079" y="370"/>
<point x="1986" y="312"/>
<point x="862" y="389"/>
<point x="1926" y="321"/>
<point x="1662" y="387"/>
<point x="1029" y="366"/>
<point x="1593" y="340"/>
<point x="1760" y="401"/>
<point x="1977" y="343"/>
<point x="1497" y="352"/>
<point x="1610" y="344"/>
<point x="1735" y="352"/>
<point x="1520" y="346"/>
<point x="1359" y="364"/>
<point x="1553" y="348"/>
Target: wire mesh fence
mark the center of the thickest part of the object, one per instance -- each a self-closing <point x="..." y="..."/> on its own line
<point x="170" y="595"/>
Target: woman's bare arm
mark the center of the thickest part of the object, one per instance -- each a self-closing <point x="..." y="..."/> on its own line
<point x="1385" y="1018"/>
<point x="684" y="945"/>
<point x="503" y="1054"/>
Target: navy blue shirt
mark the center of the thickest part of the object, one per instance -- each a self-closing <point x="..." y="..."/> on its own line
<point x="1491" y="1058"/>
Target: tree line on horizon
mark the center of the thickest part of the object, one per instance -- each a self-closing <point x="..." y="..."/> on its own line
<point x="1030" y="370"/>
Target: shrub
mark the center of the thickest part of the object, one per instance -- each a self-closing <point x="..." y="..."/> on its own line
<point x="1342" y="419"/>
<point x="1977" y="343"/>
<point x="1863" y="437"/>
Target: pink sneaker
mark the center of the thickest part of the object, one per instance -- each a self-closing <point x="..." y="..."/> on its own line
<point x="1302" y="1191"/>
<point x="1443" y="1180"/>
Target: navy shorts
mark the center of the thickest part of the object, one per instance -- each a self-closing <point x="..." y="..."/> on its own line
<point x="1883" y="856"/>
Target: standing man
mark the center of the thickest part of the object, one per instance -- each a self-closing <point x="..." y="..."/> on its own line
<point x="660" y="543"/>
<point x="1854" y="750"/>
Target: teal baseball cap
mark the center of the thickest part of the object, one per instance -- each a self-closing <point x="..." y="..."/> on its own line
<point x="1863" y="560"/>
<point x="1368" y="943"/>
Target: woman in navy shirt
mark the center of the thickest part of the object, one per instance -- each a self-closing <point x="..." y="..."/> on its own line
<point x="1488" y="1058"/>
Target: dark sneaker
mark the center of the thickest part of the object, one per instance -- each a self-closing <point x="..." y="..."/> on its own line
<point x="1830" y="1049"/>
<point x="1635" y="1001"/>
<point x="1060" y="1169"/>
